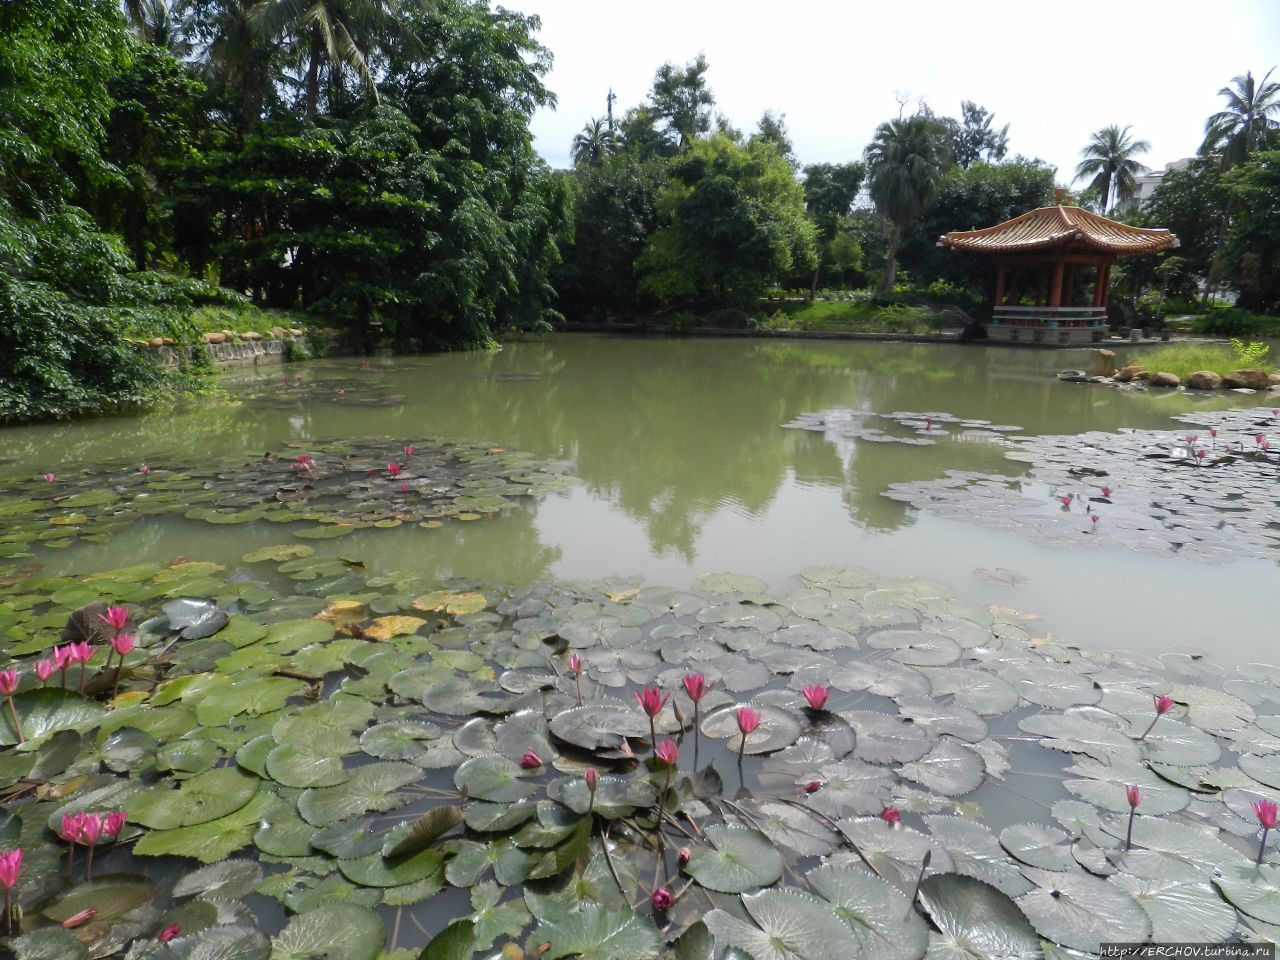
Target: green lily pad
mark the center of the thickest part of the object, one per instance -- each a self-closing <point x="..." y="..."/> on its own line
<point x="976" y="921"/>
<point x="1078" y="910"/>
<point x="207" y="796"/>
<point x="595" y="933"/>
<point x="370" y="788"/>
<point x="335" y="931"/>
<point x="495" y="778"/>
<point x="788" y="925"/>
<point x="738" y="859"/>
<point x="879" y="915"/>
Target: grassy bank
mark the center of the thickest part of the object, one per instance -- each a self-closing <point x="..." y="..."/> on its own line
<point x="1184" y="359"/>
<point x="827" y="316"/>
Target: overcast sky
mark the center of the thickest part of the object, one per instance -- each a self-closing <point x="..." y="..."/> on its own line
<point x="1054" y="71"/>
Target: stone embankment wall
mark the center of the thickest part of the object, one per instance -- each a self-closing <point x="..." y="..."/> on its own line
<point x="236" y="350"/>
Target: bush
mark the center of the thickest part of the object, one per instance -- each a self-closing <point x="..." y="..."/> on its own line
<point x="1250" y="354"/>
<point x="1227" y="321"/>
<point x="729" y="317"/>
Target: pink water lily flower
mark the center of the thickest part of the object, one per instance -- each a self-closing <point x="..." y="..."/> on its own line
<point x="408" y="450"/>
<point x="122" y="643"/>
<point x="90" y="829"/>
<point x="1106" y="491"/>
<point x="667" y="752"/>
<point x="748" y="720"/>
<point x="575" y="664"/>
<point x="81" y="652"/>
<point x="50" y="477"/>
<point x="696" y="686"/>
<point x="169" y="933"/>
<point x="651" y="700"/>
<point x="813" y="786"/>
<point x="10" y="868"/>
<point x="684" y="855"/>
<point x="891" y="815"/>
<point x="662" y="899"/>
<point x="530" y="760"/>
<point x="592" y="776"/>
<point x="8" y="682"/>
<point x="117" y="618"/>
<point x="1134" y="796"/>
<point x="144" y="469"/>
<point x="1163" y="704"/>
<point x="113" y="823"/>
<point x="45" y="669"/>
<point x="393" y="469"/>
<point x="1265" y="811"/>
<point x="816" y="694"/>
<point x="79" y="919"/>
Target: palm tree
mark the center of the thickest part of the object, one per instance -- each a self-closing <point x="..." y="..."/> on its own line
<point x="1109" y="160"/>
<point x="341" y="32"/>
<point x="1236" y="131"/>
<point x="1242" y="127"/>
<point x="235" y="61"/>
<point x="904" y="161"/>
<point x="163" y="26"/>
<point x="594" y="143"/>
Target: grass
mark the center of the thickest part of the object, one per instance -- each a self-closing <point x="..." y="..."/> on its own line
<point x="830" y="316"/>
<point x="211" y="319"/>
<point x="1183" y="359"/>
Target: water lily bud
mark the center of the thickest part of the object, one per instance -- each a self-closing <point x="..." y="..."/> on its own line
<point x="169" y="933"/>
<point x="1134" y="796"/>
<point x="891" y="815"/>
<point x="79" y="919"/>
<point x="592" y="777"/>
<point x="1163" y="704"/>
<point x="530" y="760"/>
<point x="684" y="855"/>
<point x="813" y="786"/>
<point x="662" y="899"/>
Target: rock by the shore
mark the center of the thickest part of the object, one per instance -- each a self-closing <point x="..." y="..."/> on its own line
<point x="1252" y="378"/>
<point x="250" y="335"/>
<point x="1204" y="380"/>
<point x="278" y="333"/>
<point x="1128" y="372"/>
<point x="1164" y="379"/>
<point x="1104" y="364"/>
<point x="214" y="337"/>
<point x="1073" y="376"/>
<point x="295" y="332"/>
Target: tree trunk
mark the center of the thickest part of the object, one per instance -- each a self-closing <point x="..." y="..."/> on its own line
<point x="813" y="285"/>
<point x="313" y="73"/>
<point x="891" y="260"/>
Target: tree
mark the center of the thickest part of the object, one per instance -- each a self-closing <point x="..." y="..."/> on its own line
<point x="1109" y="161"/>
<point x="1253" y="244"/>
<point x="1191" y="203"/>
<point x="972" y="136"/>
<point x="773" y="129"/>
<point x="682" y="99"/>
<point x="594" y="143"/>
<point x="982" y="195"/>
<point x="905" y="161"/>
<point x="237" y="64"/>
<point x="1246" y="124"/>
<point x="639" y="134"/>
<point x="336" y="34"/>
<point x="830" y="190"/>
<point x="615" y="211"/>
<point x="732" y="220"/>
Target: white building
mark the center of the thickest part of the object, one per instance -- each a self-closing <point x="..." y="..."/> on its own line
<point x="1148" y="182"/>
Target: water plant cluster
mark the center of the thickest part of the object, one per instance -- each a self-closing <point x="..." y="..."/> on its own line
<point x="925" y="428"/>
<point x="334" y="487"/>
<point x="1208" y="492"/>
<point x="363" y="767"/>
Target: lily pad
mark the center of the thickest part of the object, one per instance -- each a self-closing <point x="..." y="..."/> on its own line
<point x="738" y="859"/>
<point x="976" y="921"/>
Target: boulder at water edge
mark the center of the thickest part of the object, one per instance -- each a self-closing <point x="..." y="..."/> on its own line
<point x="1164" y="379"/>
<point x="1129" y="371"/>
<point x="1252" y="378"/>
<point x="1104" y="364"/>
<point x="1204" y="380"/>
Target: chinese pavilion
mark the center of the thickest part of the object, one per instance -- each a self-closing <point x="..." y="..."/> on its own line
<point x="1043" y="292"/>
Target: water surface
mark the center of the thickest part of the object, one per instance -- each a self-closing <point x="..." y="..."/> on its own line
<point x="686" y="469"/>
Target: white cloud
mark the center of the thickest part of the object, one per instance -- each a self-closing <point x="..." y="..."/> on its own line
<point x="1054" y="72"/>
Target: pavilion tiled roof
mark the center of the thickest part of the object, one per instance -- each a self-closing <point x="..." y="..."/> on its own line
<point x="1048" y="227"/>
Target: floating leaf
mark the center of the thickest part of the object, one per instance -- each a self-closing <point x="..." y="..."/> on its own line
<point x="207" y="796"/>
<point x="789" y="925"/>
<point x="976" y="921"/>
<point x="950" y="768"/>
<point x="335" y="931"/>
<point x="422" y="832"/>
<point x="1078" y="910"/>
<point x="1180" y="912"/>
<point x="370" y="787"/>
<point x="739" y="859"/>
<point x="229" y="880"/>
<point x="211" y="841"/>
<point x="495" y="778"/>
<point x="595" y="933"/>
<point x="1038" y="846"/>
<point x="881" y="918"/>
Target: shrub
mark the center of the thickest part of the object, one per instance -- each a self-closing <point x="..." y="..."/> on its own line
<point x="729" y="317"/>
<point x="1250" y="354"/>
<point x="1227" y="321"/>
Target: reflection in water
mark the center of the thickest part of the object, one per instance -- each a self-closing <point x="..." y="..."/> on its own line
<point x="686" y="468"/>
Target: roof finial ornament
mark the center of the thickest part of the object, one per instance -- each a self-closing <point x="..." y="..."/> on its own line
<point x="1061" y="197"/>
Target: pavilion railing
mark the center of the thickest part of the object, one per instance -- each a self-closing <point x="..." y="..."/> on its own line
<point x="1045" y="316"/>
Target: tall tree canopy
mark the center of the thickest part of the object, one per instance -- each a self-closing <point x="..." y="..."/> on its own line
<point x="731" y="220"/>
<point x="682" y="100"/>
<point x="1248" y="122"/>
<point x="905" y="161"/>
<point x="1109" y="162"/>
<point x="973" y="137"/>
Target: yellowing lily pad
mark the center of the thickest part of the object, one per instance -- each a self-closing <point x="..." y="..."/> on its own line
<point x="384" y="628"/>
<point x="194" y="568"/>
<point x="280" y="552"/>
<point x="448" y="601"/>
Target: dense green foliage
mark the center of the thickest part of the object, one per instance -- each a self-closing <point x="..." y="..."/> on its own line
<point x="66" y="287"/>
<point x="366" y="160"/>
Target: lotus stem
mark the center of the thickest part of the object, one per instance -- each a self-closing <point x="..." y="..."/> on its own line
<point x="653" y="734"/>
<point x="8" y="912"/>
<point x="577" y="683"/>
<point x="17" y="724"/>
<point x="71" y="857"/>
<point x="1128" y="837"/>
<point x="697" y="735"/>
<point x="608" y="858"/>
<point x="1150" y="728"/>
<point x="88" y="866"/>
<point x="924" y="865"/>
<point x="82" y="678"/>
<point x="1262" y="847"/>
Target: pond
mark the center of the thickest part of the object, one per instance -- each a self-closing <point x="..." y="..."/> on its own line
<point x="394" y="627"/>
<point x="685" y="470"/>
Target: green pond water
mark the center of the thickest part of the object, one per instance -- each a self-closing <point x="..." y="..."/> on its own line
<point x="686" y="469"/>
